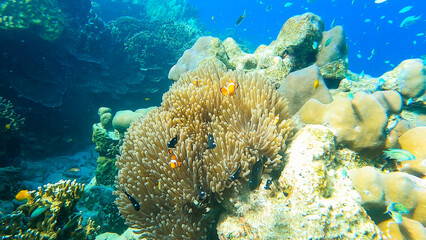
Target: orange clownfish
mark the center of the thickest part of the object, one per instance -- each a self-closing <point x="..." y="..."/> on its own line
<point x="22" y="195"/>
<point x="174" y="162"/>
<point x="230" y="88"/>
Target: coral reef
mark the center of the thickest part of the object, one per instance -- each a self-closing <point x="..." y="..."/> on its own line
<point x="223" y="143"/>
<point x="10" y="121"/>
<point x="312" y="199"/>
<point x="49" y="213"/>
<point x="297" y="46"/>
<point x="44" y="16"/>
<point x="359" y="123"/>
<point x="302" y="85"/>
<point x="108" y="137"/>
<point x="150" y="42"/>
<point x="379" y="190"/>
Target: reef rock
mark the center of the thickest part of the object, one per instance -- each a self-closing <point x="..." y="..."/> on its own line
<point x="313" y="198"/>
<point x="299" y="87"/>
<point x="359" y="122"/>
<point x="414" y="141"/>
<point x="204" y="48"/>
<point x="297" y="37"/>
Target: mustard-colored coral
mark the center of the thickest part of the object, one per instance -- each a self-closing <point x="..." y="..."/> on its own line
<point x="22" y="14"/>
<point x="181" y="203"/>
<point x="49" y="214"/>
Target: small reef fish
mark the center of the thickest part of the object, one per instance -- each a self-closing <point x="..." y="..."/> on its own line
<point x="379" y="1"/>
<point x="147" y="99"/>
<point x="379" y="84"/>
<point x="236" y="175"/>
<point x="268" y="184"/>
<point x="210" y="142"/>
<point x="135" y="203"/>
<point x="174" y="162"/>
<point x="230" y="88"/>
<point x="276" y="119"/>
<point x="410" y="101"/>
<point x="396" y="216"/>
<point x="195" y="82"/>
<point x="159" y="185"/>
<point x="328" y="42"/>
<point x="409" y="21"/>
<point x="74" y="170"/>
<point x="288" y="4"/>
<point x="7" y="126"/>
<point x="362" y="75"/>
<point x="22" y="195"/>
<point x="332" y="23"/>
<point x="240" y="19"/>
<point x="172" y="143"/>
<point x="256" y="173"/>
<point x="351" y="96"/>
<point x="398" y="154"/>
<point x="315" y="45"/>
<point x="392" y="123"/>
<point x="268" y="8"/>
<point x="316" y="84"/>
<point x="405" y="9"/>
<point x="397" y="207"/>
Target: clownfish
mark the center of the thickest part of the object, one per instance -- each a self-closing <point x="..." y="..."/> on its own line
<point x="276" y="119"/>
<point x="195" y="82"/>
<point x="22" y="195"/>
<point x="174" y="162"/>
<point x="230" y="88"/>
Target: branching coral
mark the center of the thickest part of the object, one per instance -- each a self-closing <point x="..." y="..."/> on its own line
<point x="49" y="214"/>
<point x="247" y="126"/>
<point x="10" y="121"/>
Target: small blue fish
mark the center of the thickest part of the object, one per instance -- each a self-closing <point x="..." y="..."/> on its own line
<point x="351" y="96"/>
<point x="410" y="101"/>
<point x="328" y="42"/>
<point x="396" y="216"/>
<point x="379" y="84"/>
<point x="361" y="75"/>
<point x="38" y="211"/>
<point x="397" y="207"/>
<point x="268" y="184"/>
<point x="398" y="154"/>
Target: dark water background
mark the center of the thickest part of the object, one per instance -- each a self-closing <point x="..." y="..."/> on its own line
<point x="58" y="86"/>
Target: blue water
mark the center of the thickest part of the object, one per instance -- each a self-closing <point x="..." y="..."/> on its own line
<point x="391" y="42"/>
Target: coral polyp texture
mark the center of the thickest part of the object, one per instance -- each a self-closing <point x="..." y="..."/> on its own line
<point x="45" y="16"/>
<point x="49" y="213"/>
<point x="223" y="142"/>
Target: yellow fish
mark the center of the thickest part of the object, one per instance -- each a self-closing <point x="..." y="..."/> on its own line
<point x="276" y="119"/>
<point x="147" y="99"/>
<point x="316" y="84"/>
<point x="7" y="126"/>
<point x="195" y="82"/>
<point x="22" y="195"/>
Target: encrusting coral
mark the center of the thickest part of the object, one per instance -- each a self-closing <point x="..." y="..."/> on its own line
<point x="220" y="140"/>
<point x="49" y="214"/>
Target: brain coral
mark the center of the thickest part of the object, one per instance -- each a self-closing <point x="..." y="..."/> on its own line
<point x="180" y="203"/>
